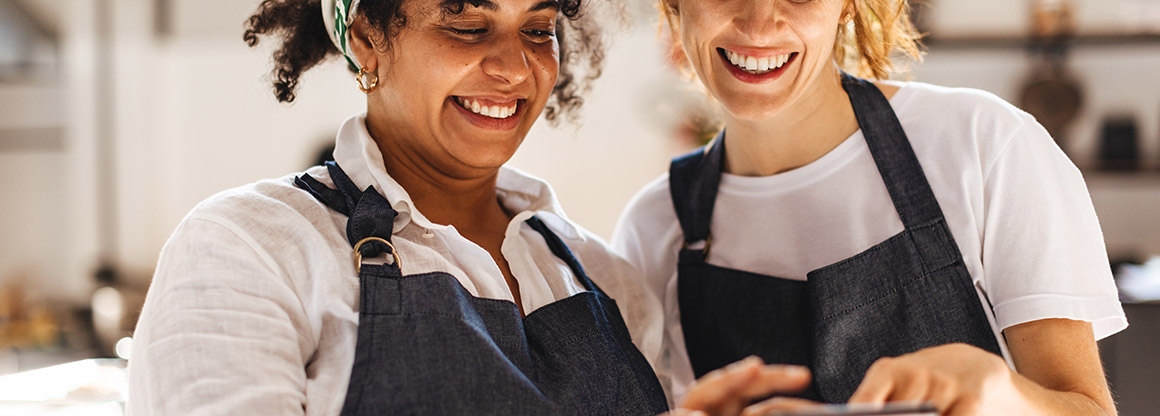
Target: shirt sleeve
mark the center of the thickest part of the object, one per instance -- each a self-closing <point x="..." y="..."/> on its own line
<point x="1043" y="251"/>
<point x="221" y="331"/>
<point x="647" y="235"/>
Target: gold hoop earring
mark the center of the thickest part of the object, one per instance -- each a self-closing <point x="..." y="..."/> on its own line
<point x="374" y="82"/>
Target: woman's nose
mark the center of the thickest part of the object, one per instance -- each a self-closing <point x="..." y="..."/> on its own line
<point x="508" y="62"/>
<point x="759" y="21"/>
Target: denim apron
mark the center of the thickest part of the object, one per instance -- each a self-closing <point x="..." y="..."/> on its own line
<point x="909" y="292"/>
<point x="426" y="346"/>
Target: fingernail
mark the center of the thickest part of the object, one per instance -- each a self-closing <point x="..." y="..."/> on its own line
<point x="791" y="370"/>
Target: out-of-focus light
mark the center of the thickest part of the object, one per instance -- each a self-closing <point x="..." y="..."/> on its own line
<point x="124" y="347"/>
<point x="107" y="303"/>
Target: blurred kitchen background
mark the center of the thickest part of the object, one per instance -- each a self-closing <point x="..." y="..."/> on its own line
<point x="118" y="116"/>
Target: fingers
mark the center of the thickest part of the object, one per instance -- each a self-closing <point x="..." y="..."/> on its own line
<point x="777" y="404"/>
<point x="684" y="412"/>
<point x="942" y="392"/>
<point x="912" y="389"/>
<point x="877" y="384"/>
<point x="726" y="391"/>
<point x="955" y="378"/>
<point x="776" y="379"/>
<point x="723" y="385"/>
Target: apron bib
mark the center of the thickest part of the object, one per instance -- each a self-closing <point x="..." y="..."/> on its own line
<point x="426" y="346"/>
<point x="909" y="292"/>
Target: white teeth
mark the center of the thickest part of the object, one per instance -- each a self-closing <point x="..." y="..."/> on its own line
<point x="756" y="65"/>
<point x="493" y="111"/>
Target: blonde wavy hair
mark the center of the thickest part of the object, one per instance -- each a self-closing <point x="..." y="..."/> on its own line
<point x="878" y="41"/>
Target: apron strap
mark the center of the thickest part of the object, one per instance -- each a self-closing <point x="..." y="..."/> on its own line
<point x="563" y="252"/>
<point x="332" y="198"/>
<point x="371" y="217"/>
<point x="693" y="180"/>
<point x="370" y="214"/>
<point x="897" y="164"/>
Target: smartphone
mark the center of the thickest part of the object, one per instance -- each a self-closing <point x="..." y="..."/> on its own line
<point x="864" y="409"/>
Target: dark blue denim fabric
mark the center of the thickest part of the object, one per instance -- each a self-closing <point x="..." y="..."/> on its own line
<point x="909" y="292"/>
<point x="426" y="346"/>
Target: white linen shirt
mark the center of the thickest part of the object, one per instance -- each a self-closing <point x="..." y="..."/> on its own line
<point x="254" y="305"/>
<point x="1016" y="206"/>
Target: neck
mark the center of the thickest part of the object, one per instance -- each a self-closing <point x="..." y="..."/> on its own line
<point x="465" y="199"/>
<point x="808" y="128"/>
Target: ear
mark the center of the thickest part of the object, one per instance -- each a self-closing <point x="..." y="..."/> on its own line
<point x="850" y="11"/>
<point x="362" y="44"/>
<point x="676" y="52"/>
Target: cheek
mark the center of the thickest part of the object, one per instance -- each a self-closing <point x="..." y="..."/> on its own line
<point x="699" y="26"/>
<point x="688" y="45"/>
<point x="546" y="63"/>
<point x="822" y="30"/>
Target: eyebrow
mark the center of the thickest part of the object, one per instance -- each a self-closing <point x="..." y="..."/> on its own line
<point x="546" y="4"/>
<point x="490" y="5"/>
<point x="462" y="5"/>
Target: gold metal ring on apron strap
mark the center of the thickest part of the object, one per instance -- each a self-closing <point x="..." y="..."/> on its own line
<point x="704" y="250"/>
<point x="358" y="254"/>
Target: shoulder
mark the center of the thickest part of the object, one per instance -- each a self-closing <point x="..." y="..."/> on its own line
<point x="652" y="206"/>
<point x="264" y="216"/>
<point x="975" y="106"/>
<point x="966" y="124"/>
<point x="649" y="222"/>
<point x="261" y="203"/>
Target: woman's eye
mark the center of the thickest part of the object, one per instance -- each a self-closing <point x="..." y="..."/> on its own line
<point x="540" y="34"/>
<point x="464" y="31"/>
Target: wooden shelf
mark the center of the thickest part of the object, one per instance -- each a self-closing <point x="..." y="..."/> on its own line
<point x="1025" y="42"/>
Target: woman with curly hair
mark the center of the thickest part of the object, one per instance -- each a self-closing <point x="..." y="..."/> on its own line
<point x="906" y="242"/>
<point x="416" y="274"/>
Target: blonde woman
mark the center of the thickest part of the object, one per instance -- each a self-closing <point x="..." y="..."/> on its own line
<point x="906" y="242"/>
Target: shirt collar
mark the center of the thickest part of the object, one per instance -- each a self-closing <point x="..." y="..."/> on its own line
<point x="359" y="156"/>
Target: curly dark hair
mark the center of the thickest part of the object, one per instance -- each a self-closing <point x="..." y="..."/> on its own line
<point x="298" y="25"/>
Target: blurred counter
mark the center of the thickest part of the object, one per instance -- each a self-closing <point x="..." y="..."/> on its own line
<point x="94" y="387"/>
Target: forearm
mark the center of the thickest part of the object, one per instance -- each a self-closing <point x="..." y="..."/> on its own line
<point x="1046" y="401"/>
<point x="1059" y="370"/>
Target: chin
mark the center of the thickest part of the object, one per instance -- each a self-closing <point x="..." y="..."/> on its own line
<point x="488" y="157"/>
<point x="753" y="109"/>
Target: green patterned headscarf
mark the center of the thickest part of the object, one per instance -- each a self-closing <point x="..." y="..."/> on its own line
<point x="338" y="16"/>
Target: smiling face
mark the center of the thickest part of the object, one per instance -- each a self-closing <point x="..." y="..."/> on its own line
<point x="759" y="58"/>
<point x="461" y="90"/>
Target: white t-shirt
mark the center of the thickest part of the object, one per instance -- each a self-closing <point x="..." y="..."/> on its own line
<point x="253" y="307"/>
<point x="1017" y="207"/>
